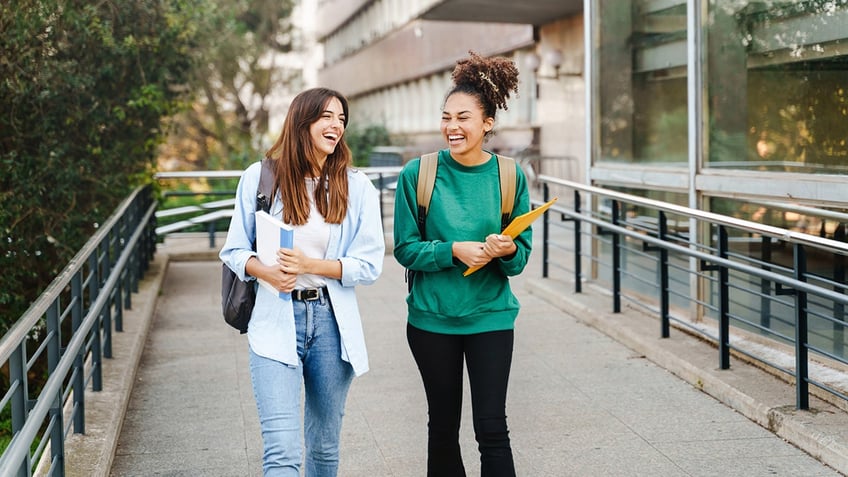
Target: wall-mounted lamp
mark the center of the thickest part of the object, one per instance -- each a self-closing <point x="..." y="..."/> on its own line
<point x="551" y="58"/>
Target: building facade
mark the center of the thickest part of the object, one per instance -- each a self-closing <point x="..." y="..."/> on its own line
<point x="710" y="103"/>
<point x="393" y="59"/>
<point x="731" y="106"/>
<point x="738" y="107"/>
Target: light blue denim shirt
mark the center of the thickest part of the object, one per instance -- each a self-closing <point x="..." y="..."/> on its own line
<point x="357" y="242"/>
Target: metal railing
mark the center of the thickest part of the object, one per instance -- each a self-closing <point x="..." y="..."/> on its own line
<point x="784" y="297"/>
<point x="689" y="250"/>
<point x="66" y="334"/>
<point x="214" y="215"/>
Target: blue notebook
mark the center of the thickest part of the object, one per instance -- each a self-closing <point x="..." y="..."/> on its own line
<point x="272" y="234"/>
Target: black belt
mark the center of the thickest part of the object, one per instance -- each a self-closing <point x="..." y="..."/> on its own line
<point x="308" y="294"/>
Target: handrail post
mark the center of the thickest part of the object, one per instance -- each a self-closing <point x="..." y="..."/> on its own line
<point x="839" y="308"/>
<point x="119" y="309"/>
<point x="545" y="233"/>
<point x="136" y="254"/>
<point x="210" y="229"/>
<point x="802" y="386"/>
<point x="57" y="435"/>
<point x="93" y="278"/>
<point x="578" y="250"/>
<point x="765" y="285"/>
<point x="107" y="326"/>
<point x="94" y="289"/>
<point x="54" y="334"/>
<point x="54" y="355"/>
<point x="18" y="379"/>
<point x="663" y="264"/>
<point x="106" y="265"/>
<point x="724" y="302"/>
<point x="616" y="261"/>
<point x="78" y="383"/>
<point x="126" y="279"/>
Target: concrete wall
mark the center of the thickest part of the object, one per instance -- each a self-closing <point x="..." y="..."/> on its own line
<point x="561" y="111"/>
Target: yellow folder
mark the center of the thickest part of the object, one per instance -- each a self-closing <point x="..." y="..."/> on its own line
<point x="518" y="225"/>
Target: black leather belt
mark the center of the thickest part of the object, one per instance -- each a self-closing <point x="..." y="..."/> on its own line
<point x="308" y="294"/>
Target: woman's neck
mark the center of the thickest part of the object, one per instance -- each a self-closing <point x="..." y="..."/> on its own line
<point x="472" y="158"/>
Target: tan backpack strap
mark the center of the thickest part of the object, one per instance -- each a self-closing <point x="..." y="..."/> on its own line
<point x="506" y="170"/>
<point x="426" y="179"/>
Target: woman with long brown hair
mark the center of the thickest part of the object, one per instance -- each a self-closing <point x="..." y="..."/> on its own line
<point x="314" y="341"/>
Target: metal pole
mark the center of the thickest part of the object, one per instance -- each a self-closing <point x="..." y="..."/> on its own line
<point x="839" y="308"/>
<point x="802" y="385"/>
<point x="663" y="264"/>
<point x="545" y="234"/>
<point x="765" y="285"/>
<point x="78" y="383"/>
<point x="578" y="249"/>
<point x="616" y="262"/>
<point x="724" y="303"/>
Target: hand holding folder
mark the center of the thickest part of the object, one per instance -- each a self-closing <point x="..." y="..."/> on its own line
<point x="518" y="225"/>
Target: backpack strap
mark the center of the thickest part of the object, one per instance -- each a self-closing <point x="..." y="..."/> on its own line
<point x="426" y="181"/>
<point x="266" y="186"/>
<point x="506" y="171"/>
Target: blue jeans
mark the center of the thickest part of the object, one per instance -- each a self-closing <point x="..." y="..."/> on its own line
<point x="326" y="379"/>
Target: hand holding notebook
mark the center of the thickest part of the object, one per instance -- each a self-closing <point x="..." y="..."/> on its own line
<point x="518" y="225"/>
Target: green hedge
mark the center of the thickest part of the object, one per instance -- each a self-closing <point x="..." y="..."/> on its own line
<point x="84" y="88"/>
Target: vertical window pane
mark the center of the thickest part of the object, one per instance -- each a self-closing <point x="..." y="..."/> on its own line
<point x="642" y="69"/>
<point x="777" y="80"/>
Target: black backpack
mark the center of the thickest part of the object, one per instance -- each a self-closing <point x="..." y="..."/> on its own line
<point x="238" y="297"/>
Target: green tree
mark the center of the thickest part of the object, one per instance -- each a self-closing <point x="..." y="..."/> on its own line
<point x="84" y="88"/>
<point x="242" y="71"/>
<point x="363" y="139"/>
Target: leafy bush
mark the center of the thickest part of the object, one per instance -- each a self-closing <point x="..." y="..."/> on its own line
<point x="84" y="89"/>
<point x="362" y="140"/>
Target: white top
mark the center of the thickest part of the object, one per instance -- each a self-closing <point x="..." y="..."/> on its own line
<point x="311" y="238"/>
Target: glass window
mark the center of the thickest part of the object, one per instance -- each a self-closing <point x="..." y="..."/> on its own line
<point x="641" y="65"/>
<point x="777" y="85"/>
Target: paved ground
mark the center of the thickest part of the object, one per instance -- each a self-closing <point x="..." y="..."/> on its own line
<point x="591" y="393"/>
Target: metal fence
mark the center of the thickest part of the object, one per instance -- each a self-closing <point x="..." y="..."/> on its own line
<point x="785" y="287"/>
<point x="66" y="334"/>
<point x="212" y="216"/>
<point x="667" y="259"/>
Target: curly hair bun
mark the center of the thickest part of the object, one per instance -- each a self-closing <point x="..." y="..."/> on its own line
<point x="493" y="77"/>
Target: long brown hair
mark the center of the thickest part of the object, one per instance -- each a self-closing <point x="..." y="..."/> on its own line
<point x="293" y="161"/>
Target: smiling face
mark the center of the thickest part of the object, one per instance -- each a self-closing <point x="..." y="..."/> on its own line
<point x="464" y="127"/>
<point x="327" y="130"/>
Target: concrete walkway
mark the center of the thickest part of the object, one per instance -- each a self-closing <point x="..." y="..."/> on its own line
<point x="581" y="403"/>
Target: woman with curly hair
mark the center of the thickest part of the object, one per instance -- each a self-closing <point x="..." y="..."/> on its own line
<point x="455" y="320"/>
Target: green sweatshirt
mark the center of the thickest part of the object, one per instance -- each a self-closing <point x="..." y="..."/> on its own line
<point x="465" y="207"/>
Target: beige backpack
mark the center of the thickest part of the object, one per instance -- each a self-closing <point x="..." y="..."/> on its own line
<point x="427" y="180"/>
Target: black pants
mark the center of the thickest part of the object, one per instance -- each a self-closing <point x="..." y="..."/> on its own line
<point x="440" y="360"/>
